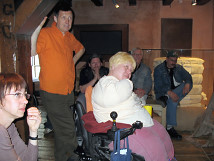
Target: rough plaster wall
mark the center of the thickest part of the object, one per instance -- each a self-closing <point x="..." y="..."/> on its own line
<point x="213" y="39"/>
<point x="202" y="20"/>
<point x="213" y="28"/>
<point x="143" y="19"/>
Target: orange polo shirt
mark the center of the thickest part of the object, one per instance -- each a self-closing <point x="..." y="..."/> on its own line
<point x="57" y="73"/>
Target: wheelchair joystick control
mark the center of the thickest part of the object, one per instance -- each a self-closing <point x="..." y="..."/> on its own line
<point x="113" y="115"/>
<point x="113" y="129"/>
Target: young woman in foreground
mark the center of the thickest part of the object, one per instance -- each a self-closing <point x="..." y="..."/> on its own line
<point x="13" y="100"/>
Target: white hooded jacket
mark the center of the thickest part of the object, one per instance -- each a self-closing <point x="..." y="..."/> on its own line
<point x="110" y="94"/>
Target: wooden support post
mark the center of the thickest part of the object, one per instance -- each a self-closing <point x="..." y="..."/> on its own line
<point x="8" y="52"/>
<point x="8" y="40"/>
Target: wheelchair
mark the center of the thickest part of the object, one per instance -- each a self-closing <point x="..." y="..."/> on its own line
<point x="94" y="146"/>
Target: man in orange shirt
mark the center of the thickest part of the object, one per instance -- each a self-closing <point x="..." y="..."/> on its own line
<point x="58" y="52"/>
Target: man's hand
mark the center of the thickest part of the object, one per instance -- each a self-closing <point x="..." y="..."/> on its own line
<point x="92" y="82"/>
<point x="186" y="88"/>
<point x="140" y="92"/>
<point x="173" y="96"/>
<point x="96" y="74"/>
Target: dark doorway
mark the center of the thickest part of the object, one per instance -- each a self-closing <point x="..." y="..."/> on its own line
<point x="176" y="34"/>
<point x="105" y="39"/>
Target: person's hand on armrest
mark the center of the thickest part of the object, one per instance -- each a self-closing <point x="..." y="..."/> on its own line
<point x="173" y="96"/>
<point x="186" y="88"/>
<point x="140" y="92"/>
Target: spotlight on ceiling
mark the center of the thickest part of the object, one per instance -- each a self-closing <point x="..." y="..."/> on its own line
<point x="194" y="2"/>
<point x="115" y="4"/>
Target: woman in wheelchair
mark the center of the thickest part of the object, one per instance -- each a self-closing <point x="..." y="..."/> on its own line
<point x="115" y="93"/>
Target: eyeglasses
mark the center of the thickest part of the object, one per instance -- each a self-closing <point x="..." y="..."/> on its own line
<point x="20" y="95"/>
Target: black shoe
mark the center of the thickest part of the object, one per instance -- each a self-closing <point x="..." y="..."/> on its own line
<point x="79" y="151"/>
<point x="50" y="134"/>
<point x="162" y="101"/>
<point x="173" y="134"/>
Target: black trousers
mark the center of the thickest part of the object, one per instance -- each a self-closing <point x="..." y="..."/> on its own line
<point x="61" y="117"/>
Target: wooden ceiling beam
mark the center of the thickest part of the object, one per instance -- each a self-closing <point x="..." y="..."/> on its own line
<point x="167" y="2"/>
<point x="202" y="2"/>
<point x="98" y="2"/>
<point x="30" y="13"/>
<point x="132" y="2"/>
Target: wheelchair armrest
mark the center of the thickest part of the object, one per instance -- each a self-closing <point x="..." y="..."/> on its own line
<point x="126" y="132"/>
<point x="101" y="135"/>
<point x="129" y="131"/>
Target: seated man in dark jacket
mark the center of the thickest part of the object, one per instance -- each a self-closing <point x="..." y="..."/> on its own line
<point x="171" y="84"/>
<point x="93" y="71"/>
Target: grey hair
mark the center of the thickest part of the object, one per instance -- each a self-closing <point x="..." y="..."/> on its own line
<point x="134" y="49"/>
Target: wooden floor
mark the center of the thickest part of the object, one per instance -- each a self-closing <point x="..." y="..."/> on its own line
<point x="189" y="149"/>
<point x="46" y="144"/>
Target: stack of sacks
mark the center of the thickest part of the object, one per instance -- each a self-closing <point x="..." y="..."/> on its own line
<point x="195" y="67"/>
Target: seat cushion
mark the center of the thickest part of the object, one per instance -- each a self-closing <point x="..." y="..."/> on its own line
<point x="92" y="126"/>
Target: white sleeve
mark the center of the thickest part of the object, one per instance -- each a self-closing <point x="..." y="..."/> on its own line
<point x="112" y="93"/>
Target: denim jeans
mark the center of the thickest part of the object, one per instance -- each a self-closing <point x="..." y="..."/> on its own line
<point x="172" y="106"/>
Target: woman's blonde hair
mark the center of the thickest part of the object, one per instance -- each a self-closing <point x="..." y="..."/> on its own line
<point x="122" y="58"/>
